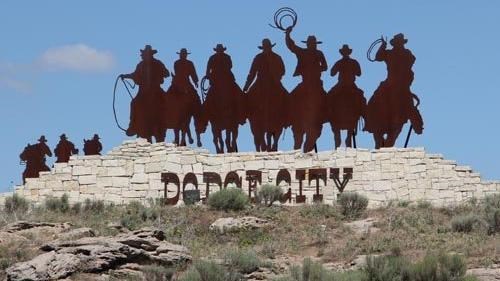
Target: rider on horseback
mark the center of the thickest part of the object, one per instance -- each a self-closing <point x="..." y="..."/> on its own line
<point x="145" y="107"/>
<point x="266" y="97"/>
<point x="64" y="149"/>
<point x="346" y="101"/>
<point x="307" y="104"/>
<point x="34" y="156"/>
<point x="392" y="103"/>
<point x="224" y="105"/>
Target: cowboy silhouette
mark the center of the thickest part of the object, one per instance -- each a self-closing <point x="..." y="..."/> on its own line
<point x="307" y="99"/>
<point x="346" y="102"/>
<point x="392" y="103"/>
<point x="224" y="104"/>
<point x="182" y="82"/>
<point x="92" y="146"/>
<point x="145" y="109"/>
<point x="64" y="149"/>
<point x="34" y="157"/>
<point x="266" y="98"/>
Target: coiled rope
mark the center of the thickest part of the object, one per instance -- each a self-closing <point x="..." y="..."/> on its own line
<point x="204" y="86"/>
<point x="280" y="15"/>
<point x="114" y="98"/>
<point x="372" y="46"/>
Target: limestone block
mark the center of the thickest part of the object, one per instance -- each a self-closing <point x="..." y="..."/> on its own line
<point x="139" y="168"/>
<point x="197" y="168"/>
<point x="139" y="186"/>
<point x="121" y="182"/>
<point x="303" y="163"/>
<point x="254" y="165"/>
<point x="104" y="182"/>
<point x="236" y="166"/>
<point x="82" y="170"/>
<point x="187" y="168"/>
<point x="113" y="190"/>
<point x="169" y="167"/>
<point x="87" y="179"/>
<point x="71" y="185"/>
<point x="153" y="167"/>
<point x="187" y="159"/>
<point x="139" y="178"/>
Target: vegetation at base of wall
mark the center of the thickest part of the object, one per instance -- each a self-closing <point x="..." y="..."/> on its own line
<point x="352" y="205"/>
<point x="228" y="199"/>
<point x="492" y="213"/>
<point x="16" y="204"/>
<point x="243" y="261"/>
<point x="467" y="223"/>
<point x="57" y="204"/>
<point x="268" y="194"/>
<point x="319" y="210"/>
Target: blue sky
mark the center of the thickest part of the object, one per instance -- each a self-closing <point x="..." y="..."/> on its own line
<point x="59" y="59"/>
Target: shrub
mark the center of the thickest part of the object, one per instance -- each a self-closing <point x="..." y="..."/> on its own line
<point x="228" y="199"/>
<point x="16" y="204"/>
<point x="318" y="210"/>
<point x="157" y="273"/>
<point x="93" y="206"/>
<point x="467" y="223"/>
<point x="422" y="204"/>
<point x="268" y="194"/>
<point x="136" y="214"/>
<point x="244" y="261"/>
<point x="57" y="204"/>
<point x="352" y="204"/>
<point x="492" y="212"/>
<point x="209" y="271"/>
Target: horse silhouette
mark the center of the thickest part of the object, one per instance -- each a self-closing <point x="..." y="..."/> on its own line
<point x="266" y="105"/>
<point x="34" y="157"/>
<point x="392" y="103"/>
<point x="346" y="102"/>
<point x="307" y="102"/>
<point x="224" y="106"/>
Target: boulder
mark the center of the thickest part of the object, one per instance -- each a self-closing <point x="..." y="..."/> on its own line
<point x="485" y="274"/>
<point x="363" y="227"/>
<point x="224" y="225"/>
<point x="99" y="254"/>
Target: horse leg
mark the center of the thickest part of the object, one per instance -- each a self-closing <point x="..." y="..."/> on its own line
<point x="379" y="140"/>
<point x="217" y="135"/>
<point x="176" y="138"/>
<point x="337" y="137"/>
<point x="229" y="147"/>
<point x="392" y="136"/>
<point x="276" y="137"/>
<point x="234" y="139"/>
<point x="183" y="137"/>
<point x="257" y="142"/>
<point x="298" y="138"/>
<point x="348" y="139"/>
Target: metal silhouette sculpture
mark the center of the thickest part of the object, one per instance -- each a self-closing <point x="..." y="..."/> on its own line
<point x="64" y="149"/>
<point x="33" y="156"/>
<point x="92" y="146"/>
<point x="146" y="106"/>
<point x="224" y="104"/>
<point x="346" y="102"/>
<point x="266" y="107"/>
<point x="308" y="100"/>
<point x="181" y="101"/>
<point x="392" y="103"/>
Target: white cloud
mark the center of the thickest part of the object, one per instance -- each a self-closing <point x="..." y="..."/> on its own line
<point x="16" y="77"/>
<point x="77" y="57"/>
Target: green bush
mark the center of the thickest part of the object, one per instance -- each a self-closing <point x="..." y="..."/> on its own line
<point x="228" y="199"/>
<point x="387" y="268"/>
<point x="467" y="223"/>
<point x="209" y="271"/>
<point x="244" y="261"/>
<point x="157" y="273"/>
<point x="268" y="194"/>
<point x="137" y="214"/>
<point x="16" y="204"/>
<point x="492" y="212"/>
<point x="318" y="210"/>
<point x="57" y="204"/>
<point x="352" y="204"/>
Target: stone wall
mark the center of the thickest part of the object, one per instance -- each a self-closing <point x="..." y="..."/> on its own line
<point x="133" y="171"/>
